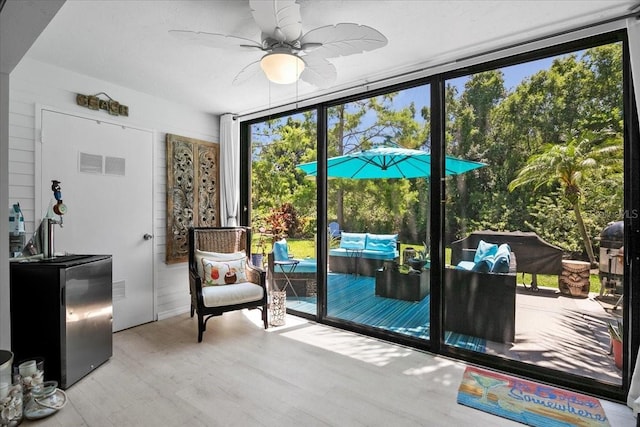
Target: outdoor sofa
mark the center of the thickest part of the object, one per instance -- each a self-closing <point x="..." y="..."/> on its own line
<point x="535" y="256"/>
<point x="478" y="301"/>
<point x="363" y="253"/>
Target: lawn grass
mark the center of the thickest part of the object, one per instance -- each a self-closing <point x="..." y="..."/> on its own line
<point x="299" y="248"/>
<point x="302" y="248"/>
<point x="305" y="248"/>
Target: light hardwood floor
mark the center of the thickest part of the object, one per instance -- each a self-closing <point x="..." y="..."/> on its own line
<point x="300" y="374"/>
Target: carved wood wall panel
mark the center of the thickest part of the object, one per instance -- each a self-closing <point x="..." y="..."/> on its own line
<point x="193" y="191"/>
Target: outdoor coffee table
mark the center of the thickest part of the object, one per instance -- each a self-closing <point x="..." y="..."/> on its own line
<point x="355" y="255"/>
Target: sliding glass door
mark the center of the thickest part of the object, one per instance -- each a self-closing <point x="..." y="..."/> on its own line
<point x="535" y="184"/>
<point x="536" y="236"/>
<point x="377" y="207"/>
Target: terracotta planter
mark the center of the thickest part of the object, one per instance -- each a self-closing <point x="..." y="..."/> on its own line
<point x="617" y="353"/>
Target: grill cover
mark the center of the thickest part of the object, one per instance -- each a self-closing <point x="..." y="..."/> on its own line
<point x="533" y="255"/>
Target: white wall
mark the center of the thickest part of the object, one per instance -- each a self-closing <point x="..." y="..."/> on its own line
<point x="36" y="84"/>
<point x="20" y="24"/>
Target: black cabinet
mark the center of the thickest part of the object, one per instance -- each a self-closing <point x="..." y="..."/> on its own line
<point x="61" y="309"/>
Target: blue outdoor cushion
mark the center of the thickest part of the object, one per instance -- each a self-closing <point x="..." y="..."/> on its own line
<point x="354" y="241"/>
<point x="381" y="242"/>
<point x="280" y="250"/>
<point x="307" y="265"/>
<point x="485" y="250"/>
<point x="502" y="259"/>
<point x="379" y="254"/>
<point x="483" y="266"/>
<point x="465" y="265"/>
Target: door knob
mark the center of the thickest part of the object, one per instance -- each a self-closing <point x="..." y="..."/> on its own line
<point x="147" y="236"/>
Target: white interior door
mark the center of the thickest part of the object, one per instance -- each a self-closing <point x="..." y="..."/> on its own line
<point x="106" y="177"/>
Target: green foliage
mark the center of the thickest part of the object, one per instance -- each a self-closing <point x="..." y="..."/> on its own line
<point x="282" y="221"/>
<point x="277" y="147"/>
<point x="551" y="218"/>
<point x="422" y="254"/>
<point x="333" y="241"/>
<point x="562" y="126"/>
<point x="568" y="165"/>
<point x="260" y="241"/>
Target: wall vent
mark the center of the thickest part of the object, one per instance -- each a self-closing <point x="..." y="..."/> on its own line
<point x="114" y="166"/>
<point x="90" y="163"/>
<point x="118" y="290"/>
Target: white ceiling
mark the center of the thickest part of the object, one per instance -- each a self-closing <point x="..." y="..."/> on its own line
<point x="127" y="42"/>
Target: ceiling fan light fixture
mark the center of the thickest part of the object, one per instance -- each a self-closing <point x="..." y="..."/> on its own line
<point x="282" y="67"/>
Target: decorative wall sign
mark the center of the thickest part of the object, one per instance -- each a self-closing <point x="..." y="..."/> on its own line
<point x="193" y="191"/>
<point x="111" y="106"/>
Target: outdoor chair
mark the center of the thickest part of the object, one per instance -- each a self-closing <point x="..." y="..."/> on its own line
<point x="221" y="276"/>
<point x="334" y="230"/>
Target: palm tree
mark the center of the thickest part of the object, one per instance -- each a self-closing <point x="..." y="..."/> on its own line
<point x="568" y="165"/>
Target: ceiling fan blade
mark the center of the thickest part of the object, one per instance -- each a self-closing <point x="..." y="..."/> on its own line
<point x="247" y="73"/>
<point x="308" y="47"/>
<point x="221" y="41"/>
<point x="318" y="72"/>
<point x="277" y="19"/>
<point x="343" y="39"/>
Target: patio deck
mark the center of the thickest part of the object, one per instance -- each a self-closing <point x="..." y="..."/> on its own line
<point x="552" y="330"/>
<point x="564" y="333"/>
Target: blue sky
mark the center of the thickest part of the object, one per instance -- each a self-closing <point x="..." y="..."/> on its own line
<point x="513" y="76"/>
<point x="517" y="73"/>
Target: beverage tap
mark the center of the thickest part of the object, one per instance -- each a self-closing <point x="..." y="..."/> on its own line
<point x="58" y="208"/>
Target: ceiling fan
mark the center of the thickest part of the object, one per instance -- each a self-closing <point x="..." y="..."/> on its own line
<point x="286" y="53"/>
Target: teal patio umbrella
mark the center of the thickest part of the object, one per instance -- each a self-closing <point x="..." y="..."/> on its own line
<point x="386" y="162"/>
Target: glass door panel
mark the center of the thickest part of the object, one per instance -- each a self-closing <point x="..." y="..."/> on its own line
<point x="284" y="208"/>
<point x="534" y="237"/>
<point x="377" y="211"/>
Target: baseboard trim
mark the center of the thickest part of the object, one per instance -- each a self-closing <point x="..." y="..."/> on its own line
<point x="172" y="313"/>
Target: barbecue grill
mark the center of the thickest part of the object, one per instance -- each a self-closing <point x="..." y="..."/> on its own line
<point x="612" y="258"/>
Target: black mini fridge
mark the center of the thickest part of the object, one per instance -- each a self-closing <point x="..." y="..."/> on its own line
<point x="61" y="310"/>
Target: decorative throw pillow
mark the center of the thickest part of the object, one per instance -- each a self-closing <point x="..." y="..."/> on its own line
<point x="381" y="242"/>
<point x="354" y="241"/>
<point x="482" y="266"/>
<point x="224" y="272"/>
<point x="216" y="256"/>
<point x="502" y="259"/>
<point x="485" y="250"/>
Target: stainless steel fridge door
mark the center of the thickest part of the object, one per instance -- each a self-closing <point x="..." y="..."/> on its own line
<point x="87" y="299"/>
